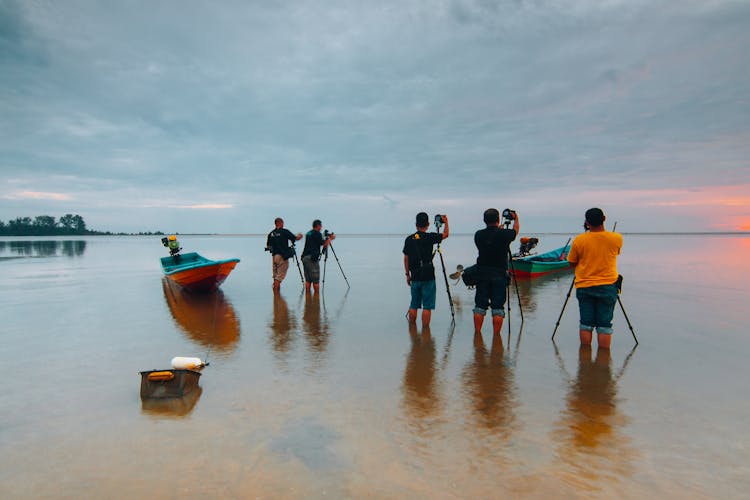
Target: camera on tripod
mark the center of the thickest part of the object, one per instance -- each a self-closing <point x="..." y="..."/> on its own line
<point x="438" y="220"/>
<point x="509" y="215"/>
<point x="327" y="233"/>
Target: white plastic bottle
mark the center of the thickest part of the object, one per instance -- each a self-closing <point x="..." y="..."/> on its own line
<point x="184" y="363"/>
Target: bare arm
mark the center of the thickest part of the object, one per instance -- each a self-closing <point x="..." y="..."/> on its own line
<point x="446" y="230"/>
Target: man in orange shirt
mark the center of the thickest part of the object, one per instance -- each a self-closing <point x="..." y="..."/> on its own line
<point x="594" y="255"/>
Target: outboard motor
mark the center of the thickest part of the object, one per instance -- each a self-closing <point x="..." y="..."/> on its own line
<point x="172" y="244"/>
<point x="527" y="245"/>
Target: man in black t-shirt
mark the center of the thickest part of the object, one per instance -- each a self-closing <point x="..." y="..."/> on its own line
<point x="311" y="254"/>
<point x="493" y="243"/>
<point x="277" y="243"/>
<point x="420" y="273"/>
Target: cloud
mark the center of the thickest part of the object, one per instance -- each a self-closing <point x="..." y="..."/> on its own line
<point x="203" y="206"/>
<point x="387" y="105"/>
<point x="37" y="195"/>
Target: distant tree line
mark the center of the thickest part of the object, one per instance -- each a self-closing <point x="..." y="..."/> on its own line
<point x="46" y="225"/>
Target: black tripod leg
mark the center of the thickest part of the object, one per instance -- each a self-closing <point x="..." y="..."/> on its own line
<point x="302" y="279"/>
<point x="628" y="320"/>
<point x="518" y="294"/>
<point x="330" y="245"/>
<point x="563" y="308"/>
<point x="325" y="264"/>
<point x="447" y="286"/>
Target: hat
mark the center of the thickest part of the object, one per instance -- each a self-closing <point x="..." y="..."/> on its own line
<point x="422" y="219"/>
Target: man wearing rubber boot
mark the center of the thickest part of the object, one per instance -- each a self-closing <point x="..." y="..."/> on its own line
<point x="493" y="243"/>
<point x="594" y="255"/>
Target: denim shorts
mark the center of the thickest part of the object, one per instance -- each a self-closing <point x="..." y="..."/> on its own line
<point x="423" y="294"/>
<point x="597" y="306"/>
<point x="491" y="292"/>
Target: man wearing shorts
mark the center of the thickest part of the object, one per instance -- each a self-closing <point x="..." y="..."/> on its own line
<point x="420" y="273"/>
<point x="311" y="255"/>
<point x="493" y="244"/>
<point x="278" y="244"/>
<point x="594" y="255"/>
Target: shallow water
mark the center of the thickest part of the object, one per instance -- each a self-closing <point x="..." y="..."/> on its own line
<point x="339" y="398"/>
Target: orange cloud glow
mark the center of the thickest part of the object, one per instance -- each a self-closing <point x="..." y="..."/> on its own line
<point x="38" y="195"/>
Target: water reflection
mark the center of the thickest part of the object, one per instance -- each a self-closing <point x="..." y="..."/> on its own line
<point x="172" y="407"/>
<point x="207" y="319"/>
<point x="489" y="384"/>
<point x="43" y="248"/>
<point x="315" y="326"/>
<point x="282" y="326"/>
<point x="589" y="437"/>
<point x="421" y="392"/>
<point x="529" y="289"/>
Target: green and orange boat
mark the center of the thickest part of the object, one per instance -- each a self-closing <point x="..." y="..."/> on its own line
<point x="544" y="263"/>
<point x="195" y="273"/>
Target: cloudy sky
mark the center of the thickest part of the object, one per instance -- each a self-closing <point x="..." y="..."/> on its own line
<point x="218" y="116"/>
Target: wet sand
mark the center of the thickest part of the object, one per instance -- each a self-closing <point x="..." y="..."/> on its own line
<point x="338" y="397"/>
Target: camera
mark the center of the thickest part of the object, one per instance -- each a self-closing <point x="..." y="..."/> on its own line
<point x="328" y="233"/>
<point x="438" y="220"/>
<point x="165" y="241"/>
<point x="509" y="214"/>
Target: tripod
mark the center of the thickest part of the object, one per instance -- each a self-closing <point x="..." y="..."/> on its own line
<point x="513" y="277"/>
<point x="445" y="276"/>
<point x="325" y="263"/>
<point x="619" y="285"/>
<point x="294" y="247"/>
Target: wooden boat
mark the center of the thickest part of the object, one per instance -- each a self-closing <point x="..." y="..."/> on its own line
<point x="196" y="273"/>
<point x="541" y="264"/>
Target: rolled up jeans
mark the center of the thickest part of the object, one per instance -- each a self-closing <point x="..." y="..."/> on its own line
<point x="597" y="306"/>
<point x="490" y="292"/>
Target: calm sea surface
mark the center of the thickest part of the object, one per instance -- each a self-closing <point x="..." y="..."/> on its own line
<point x="338" y="398"/>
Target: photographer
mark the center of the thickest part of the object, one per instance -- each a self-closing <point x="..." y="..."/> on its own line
<point x="314" y="240"/>
<point x="493" y="243"/>
<point x="277" y="243"/>
<point x="420" y="273"/>
<point x="594" y="255"/>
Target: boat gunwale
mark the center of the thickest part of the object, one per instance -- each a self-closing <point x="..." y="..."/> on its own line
<point x="200" y="262"/>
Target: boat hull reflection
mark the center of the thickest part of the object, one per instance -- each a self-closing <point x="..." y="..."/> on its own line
<point x="208" y="320"/>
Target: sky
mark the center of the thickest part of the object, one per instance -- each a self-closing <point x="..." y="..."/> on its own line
<point x="216" y="117"/>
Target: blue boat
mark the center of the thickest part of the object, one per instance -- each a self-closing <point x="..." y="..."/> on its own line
<point x="196" y="273"/>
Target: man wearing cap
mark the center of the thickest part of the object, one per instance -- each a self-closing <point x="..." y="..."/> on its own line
<point x="311" y="254"/>
<point x="594" y="255"/>
<point x="277" y="243"/>
<point x="420" y="273"/>
<point x="493" y="245"/>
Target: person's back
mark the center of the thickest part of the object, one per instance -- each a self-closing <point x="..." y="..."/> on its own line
<point x="278" y="241"/>
<point x="493" y="244"/>
<point x="418" y="247"/>
<point x="596" y="256"/>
